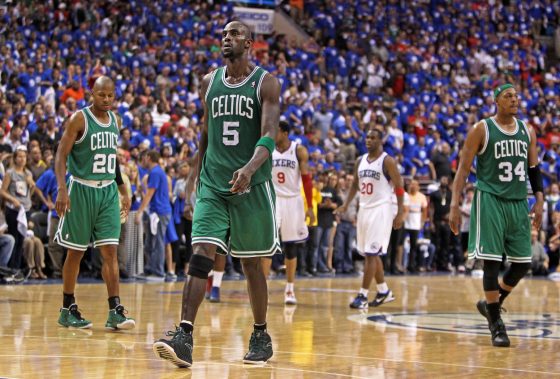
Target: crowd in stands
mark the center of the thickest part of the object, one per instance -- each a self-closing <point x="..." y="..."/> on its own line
<point x="423" y="71"/>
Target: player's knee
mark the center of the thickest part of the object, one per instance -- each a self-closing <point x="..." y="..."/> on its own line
<point x="200" y="266"/>
<point x="490" y="278"/>
<point x="515" y="273"/>
<point x="250" y="264"/>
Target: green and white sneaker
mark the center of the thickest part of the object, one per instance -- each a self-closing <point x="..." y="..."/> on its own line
<point x="118" y="321"/>
<point x="72" y="318"/>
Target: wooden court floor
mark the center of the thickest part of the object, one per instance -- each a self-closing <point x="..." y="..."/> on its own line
<point x="431" y="330"/>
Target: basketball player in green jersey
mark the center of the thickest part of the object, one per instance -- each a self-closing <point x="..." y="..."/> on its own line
<point x="506" y="152"/>
<point x="89" y="204"/>
<point x="235" y="197"/>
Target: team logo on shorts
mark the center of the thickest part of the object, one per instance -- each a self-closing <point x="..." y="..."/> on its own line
<point x="522" y="325"/>
<point x="246" y="191"/>
<point x="375" y="247"/>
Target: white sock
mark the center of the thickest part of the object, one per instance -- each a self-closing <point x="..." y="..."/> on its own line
<point x="290" y="287"/>
<point x="382" y="287"/>
<point x="217" y="279"/>
<point x="364" y="291"/>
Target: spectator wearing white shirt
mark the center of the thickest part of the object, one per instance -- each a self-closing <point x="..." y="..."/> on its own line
<point x="414" y="222"/>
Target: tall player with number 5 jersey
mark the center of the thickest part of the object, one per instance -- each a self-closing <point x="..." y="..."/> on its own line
<point x="289" y="172"/>
<point x="376" y="176"/>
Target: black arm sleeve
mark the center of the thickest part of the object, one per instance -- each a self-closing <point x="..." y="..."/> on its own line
<point x="535" y="178"/>
<point x="118" y="176"/>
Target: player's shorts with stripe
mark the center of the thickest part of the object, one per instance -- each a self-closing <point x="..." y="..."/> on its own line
<point x="499" y="226"/>
<point x="94" y="215"/>
<point x="374" y="229"/>
<point x="290" y="216"/>
<point x="241" y="224"/>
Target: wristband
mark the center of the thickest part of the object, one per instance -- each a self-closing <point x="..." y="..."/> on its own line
<point x="118" y="176"/>
<point x="535" y="178"/>
<point x="308" y="189"/>
<point x="399" y="191"/>
<point x="266" y="142"/>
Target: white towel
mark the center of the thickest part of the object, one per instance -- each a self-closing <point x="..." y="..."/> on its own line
<point x="154" y="219"/>
<point x="22" y="221"/>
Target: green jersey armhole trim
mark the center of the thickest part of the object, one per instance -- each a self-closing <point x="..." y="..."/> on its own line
<point x="85" y="129"/>
<point x="210" y="85"/>
<point x="259" y="97"/>
<point x="526" y="129"/>
<point x="486" y="138"/>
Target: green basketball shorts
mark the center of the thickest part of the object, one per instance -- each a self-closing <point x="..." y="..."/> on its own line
<point x="94" y="215"/>
<point x="243" y="225"/>
<point x="499" y="226"/>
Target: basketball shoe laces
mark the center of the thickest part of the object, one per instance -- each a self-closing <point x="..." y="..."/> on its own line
<point x="121" y="311"/>
<point x="73" y="310"/>
<point x="178" y="336"/>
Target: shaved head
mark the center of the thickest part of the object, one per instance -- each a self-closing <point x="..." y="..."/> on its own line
<point x="103" y="82"/>
<point x="103" y="93"/>
<point x="242" y="27"/>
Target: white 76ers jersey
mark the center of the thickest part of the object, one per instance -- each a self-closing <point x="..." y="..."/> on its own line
<point x="285" y="172"/>
<point x="374" y="187"/>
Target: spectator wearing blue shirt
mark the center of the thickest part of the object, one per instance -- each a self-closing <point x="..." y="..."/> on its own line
<point x="49" y="187"/>
<point x="421" y="159"/>
<point x="145" y="134"/>
<point x="157" y="197"/>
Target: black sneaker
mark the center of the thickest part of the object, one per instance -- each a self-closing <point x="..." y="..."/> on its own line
<point x="499" y="334"/>
<point x="260" y="348"/>
<point x="498" y="329"/>
<point x="382" y="298"/>
<point x="178" y="350"/>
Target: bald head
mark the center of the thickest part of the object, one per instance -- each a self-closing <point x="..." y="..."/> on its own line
<point x="242" y="27"/>
<point x="103" y="82"/>
<point x="103" y="93"/>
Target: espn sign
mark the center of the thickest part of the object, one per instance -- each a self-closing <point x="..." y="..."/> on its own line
<point x="259" y="20"/>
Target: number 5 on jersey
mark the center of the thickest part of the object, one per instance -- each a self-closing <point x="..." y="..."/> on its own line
<point x="230" y="133"/>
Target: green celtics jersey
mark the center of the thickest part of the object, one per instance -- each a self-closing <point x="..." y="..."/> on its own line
<point x="94" y="155"/>
<point x="502" y="164"/>
<point x="234" y="127"/>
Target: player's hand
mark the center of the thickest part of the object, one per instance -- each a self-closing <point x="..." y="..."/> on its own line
<point x="138" y="218"/>
<point x="50" y="205"/>
<point x="16" y="203"/>
<point x="537" y="212"/>
<point x="398" y="220"/>
<point x="241" y="180"/>
<point x="62" y="203"/>
<point x="125" y="206"/>
<point x="454" y="219"/>
<point x="311" y="216"/>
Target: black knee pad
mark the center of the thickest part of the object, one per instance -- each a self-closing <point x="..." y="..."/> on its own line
<point x="515" y="273"/>
<point x="200" y="266"/>
<point x="490" y="278"/>
<point x="290" y="250"/>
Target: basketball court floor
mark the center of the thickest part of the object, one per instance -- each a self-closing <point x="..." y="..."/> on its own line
<point x="432" y="329"/>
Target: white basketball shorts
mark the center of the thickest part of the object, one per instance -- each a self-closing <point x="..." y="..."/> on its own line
<point x="290" y="217"/>
<point x="374" y="229"/>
